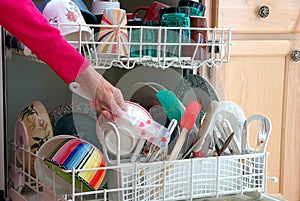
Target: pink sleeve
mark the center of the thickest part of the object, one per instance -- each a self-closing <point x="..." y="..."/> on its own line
<point x="23" y="20"/>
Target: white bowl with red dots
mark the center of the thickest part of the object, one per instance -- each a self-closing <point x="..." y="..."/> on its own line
<point x="128" y="131"/>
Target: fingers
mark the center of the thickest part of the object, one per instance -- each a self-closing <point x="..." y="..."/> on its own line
<point x="110" y="105"/>
<point x="108" y="115"/>
<point x="103" y="92"/>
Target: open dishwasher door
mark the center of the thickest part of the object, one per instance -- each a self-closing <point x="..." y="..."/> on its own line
<point x="2" y="119"/>
<point x="249" y="196"/>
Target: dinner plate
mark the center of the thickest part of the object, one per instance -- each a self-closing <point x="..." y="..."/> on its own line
<point x="168" y="78"/>
<point x="234" y="114"/>
<point x="77" y="119"/>
<point x="195" y="87"/>
<point x="32" y="129"/>
<point x="220" y="110"/>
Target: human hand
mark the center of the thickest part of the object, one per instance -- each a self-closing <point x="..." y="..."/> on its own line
<point x="103" y="92"/>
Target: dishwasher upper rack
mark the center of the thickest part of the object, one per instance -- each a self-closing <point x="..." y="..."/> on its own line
<point x="186" y="179"/>
<point x="218" y="47"/>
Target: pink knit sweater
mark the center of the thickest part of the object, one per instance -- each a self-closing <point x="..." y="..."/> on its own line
<point x="23" y="20"/>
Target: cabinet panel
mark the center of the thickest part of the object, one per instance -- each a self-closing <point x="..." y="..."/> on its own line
<point x="258" y="89"/>
<point x="243" y="17"/>
<point x="291" y="141"/>
<point x="261" y="78"/>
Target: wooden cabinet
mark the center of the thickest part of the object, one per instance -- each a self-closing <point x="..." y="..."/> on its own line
<point x="243" y="16"/>
<point x="262" y="78"/>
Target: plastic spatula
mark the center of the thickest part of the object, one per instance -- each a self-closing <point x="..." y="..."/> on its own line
<point x="188" y="119"/>
<point x="170" y="104"/>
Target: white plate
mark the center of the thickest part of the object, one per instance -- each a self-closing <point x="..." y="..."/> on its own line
<point x="226" y="110"/>
<point x="234" y="114"/>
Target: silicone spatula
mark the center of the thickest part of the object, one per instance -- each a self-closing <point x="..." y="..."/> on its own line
<point x="154" y="132"/>
<point x="188" y="119"/>
<point x="170" y="104"/>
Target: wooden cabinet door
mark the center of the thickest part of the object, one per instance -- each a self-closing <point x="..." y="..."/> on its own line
<point x="243" y="16"/>
<point x="262" y="78"/>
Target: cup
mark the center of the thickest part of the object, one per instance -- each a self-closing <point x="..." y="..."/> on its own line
<point x="67" y="17"/>
<point x="113" y="39"/>
<point x="146" y="34"/>
<point x="152" y="11"/>
<point x="175" y="17"/>
<point x="196" y="8"/>
<point x="199" y="36"/>
<point x="98" y="7"/>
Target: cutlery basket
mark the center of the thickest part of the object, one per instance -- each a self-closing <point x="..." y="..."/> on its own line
<point x="188" y="179"/>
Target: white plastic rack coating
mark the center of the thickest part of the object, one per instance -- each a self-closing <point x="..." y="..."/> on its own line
<point x="186" y="179"/>
<point x="218" y="47"/>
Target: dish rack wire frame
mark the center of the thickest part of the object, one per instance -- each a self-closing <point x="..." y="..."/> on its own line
<point x="162" y="180"/>
<point x="217" y="37"/>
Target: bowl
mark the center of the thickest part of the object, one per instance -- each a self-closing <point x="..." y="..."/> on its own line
<point x="127" y="131"/>
<point x="63" y="153"/>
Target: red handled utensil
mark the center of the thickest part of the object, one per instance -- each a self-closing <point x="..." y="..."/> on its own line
<point x="188" y="119"/>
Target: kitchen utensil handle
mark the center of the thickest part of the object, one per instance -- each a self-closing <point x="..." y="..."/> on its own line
<point x="179" y="143"/>
<point x="76" y="88"/>
<point x="137" y="150"/>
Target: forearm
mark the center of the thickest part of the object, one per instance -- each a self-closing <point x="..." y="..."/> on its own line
<point x="23" y="20"/>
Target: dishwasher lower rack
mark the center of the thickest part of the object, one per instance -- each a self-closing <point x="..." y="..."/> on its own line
<point x="186" y="179"/>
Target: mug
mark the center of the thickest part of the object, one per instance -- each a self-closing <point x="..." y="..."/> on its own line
<point x="152" y="11"/>
<point x="116" y="36"/>
<point x="68" y="13"/>
<point x="199" y="36"/>
<point x="132" y="17"/>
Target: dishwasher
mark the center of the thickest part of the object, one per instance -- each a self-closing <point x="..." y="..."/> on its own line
<point x="27" y="82"/>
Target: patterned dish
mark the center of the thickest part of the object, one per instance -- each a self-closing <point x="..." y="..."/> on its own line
<point x="195" y="87"/>
<point x="77" y="119"/>
<point x="32" y="129"/>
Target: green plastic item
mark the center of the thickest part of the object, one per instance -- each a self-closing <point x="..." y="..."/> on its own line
<point x="170" y="104"/>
